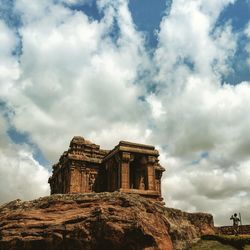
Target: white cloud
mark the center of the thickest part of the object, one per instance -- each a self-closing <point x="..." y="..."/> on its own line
<point x="77" y="2"/>
<point x="205" y="126"/>
<point x="189" y="44"/>
<point x="247" y="30"/>
<point x="75" y="77"/>
<point x="7" y="39"/>
<point x="205" y="186"/>
<point x="71" y="79"/>
<point x="247" y="48"/>
<point x="156" y="106"/>
<point x="20" y="175"/>
<point x="9" y="69"/>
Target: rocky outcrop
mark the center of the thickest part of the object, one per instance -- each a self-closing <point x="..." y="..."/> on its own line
<point x="98" y="221"/>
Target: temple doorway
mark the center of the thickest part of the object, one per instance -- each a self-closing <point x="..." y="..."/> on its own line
<point x="137" y="173"/>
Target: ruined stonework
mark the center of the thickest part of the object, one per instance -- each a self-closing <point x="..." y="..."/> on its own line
<point x="129" y="167"/>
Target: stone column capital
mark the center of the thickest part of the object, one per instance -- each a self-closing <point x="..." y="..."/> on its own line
<point x="143" y="160"/>
<point x="117" y="158"/>
<point x="72" y="165"/>
<point x="83" y="166"/>
<point x="125" y="156"/>
<point x="151" y="159"/>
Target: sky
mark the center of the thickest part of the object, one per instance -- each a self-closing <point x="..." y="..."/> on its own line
<point x="174" y="74"/>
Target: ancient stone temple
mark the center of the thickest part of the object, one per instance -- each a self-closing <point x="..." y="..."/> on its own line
<point x="129" y="167"/>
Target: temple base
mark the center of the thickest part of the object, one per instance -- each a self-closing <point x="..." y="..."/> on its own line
<point x="152" y="194"/>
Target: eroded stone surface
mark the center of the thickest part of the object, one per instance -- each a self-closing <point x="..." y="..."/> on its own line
<point x="98" y="221"/>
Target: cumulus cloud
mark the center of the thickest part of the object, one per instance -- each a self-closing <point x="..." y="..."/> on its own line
<point x="78" y="76"/>
<point x="206" y="186"/>
<point x="9" y="68"/>
<point x="205" y="126"/>
<point x="190" y="43"/>
<point x="21" y="176"/>
<point x="76" y="79"/>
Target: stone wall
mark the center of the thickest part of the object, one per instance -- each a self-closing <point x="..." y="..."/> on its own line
<point x="229" y="230"/>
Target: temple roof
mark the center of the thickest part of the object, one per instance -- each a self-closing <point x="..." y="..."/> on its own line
<point x="79" y="140"/>
<point x="132" y="147"/>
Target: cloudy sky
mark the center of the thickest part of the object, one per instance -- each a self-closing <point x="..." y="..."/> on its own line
<point x="172" y="74"/>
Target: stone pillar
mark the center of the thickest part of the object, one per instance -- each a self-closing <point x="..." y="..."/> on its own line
<point x="124" y="168"/>
<point x="118" y="176"/>
<point x="74" y="179"/>
<point x="151" y="172"/>
<point x="108" y="175"/>
<point x="92" y="177"/>
<point x="117" y="163"/>
<point x="157" y="182"/>
<point x="87" y="175"/>
<point x="83" y="179"/>
<point x="67" y="180"/>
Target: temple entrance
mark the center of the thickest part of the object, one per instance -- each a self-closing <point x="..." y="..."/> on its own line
<point x="132" y="173"/>
<point x="137" y="173"/>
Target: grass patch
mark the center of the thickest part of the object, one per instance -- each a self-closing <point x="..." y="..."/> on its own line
<point x="241" y="242"/>
<point x="210" y="245"/>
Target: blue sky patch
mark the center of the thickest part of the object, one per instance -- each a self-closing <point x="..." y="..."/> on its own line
<point x="9" y="15"/>
<point x="238" y="13"/>
<point x="20" y="137"/>
<point x="203" y="155"/>
<point x="147" y="16"/>
<point x="90" y="9"/>
<point x="23" y="138"/>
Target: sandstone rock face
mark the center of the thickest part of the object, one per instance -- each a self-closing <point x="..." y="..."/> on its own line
<point x="98" y="221"/>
